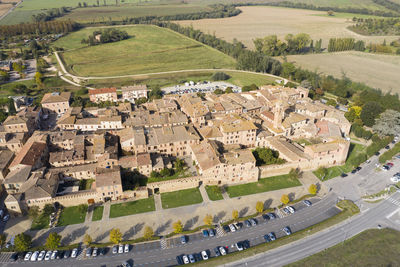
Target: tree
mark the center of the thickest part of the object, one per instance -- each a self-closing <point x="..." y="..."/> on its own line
<point x="235" y="215"/>
<point x="208" y="219"/>
<point x="2" y="240"/>
<point x="39" y="78"/>
<point x="178" y="227"/>
<point x="331" y="13"/>
<point x="87" y="240"/>
<point x="259" y="206"/>
<point x="48" y="209"/>
<point x="285" y="199"/>
<point x="155" y="93"/>
<point x="388" y="123"/>
<point x="53" y="241"/>
<point x="166" y="172"/>
<point x="294" y="174"/>
<point x="22" y="242"/>
<point x="370" y="112"/>
<point x="179" y="164"/>
<point x="115" y="236"/>
<point x="312" y="189"/>
<point x="33" y="212"/>
<point x="220" y="76"/>
<point x="148" y="233"/>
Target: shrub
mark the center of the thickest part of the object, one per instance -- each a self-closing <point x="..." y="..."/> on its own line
<point x="220" y="76"/>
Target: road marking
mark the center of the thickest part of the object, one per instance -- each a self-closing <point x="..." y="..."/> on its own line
<point x="391" y="214"/>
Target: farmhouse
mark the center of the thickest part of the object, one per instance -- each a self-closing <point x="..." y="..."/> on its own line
<point x="103" y="95"/>
<point x="133" y="92"/>
<point x="56" y="102"/>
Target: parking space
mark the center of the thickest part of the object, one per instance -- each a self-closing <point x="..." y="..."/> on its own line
<point x="200" y="87"/>
<point x="146" y="246"/>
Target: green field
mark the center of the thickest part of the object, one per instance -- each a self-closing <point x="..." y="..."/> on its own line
<point x="335" y="171"/>
<point x="41" y="222"/>
<point x="149" y="49"/>
<point x="71" y="215"/>
<point x="181" y="198"/>
<point x="132" y="207"/>
<point x="213" y="192"/>
<point x="97" y="213"/>
<point x="263" y="185"/>
<point x="370" y="248"/>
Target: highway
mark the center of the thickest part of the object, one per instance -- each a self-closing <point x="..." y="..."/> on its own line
<point x="155" y="255"/>
<point x="326" y="238"/>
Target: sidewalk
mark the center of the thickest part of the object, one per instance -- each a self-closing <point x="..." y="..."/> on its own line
<point x="157" y="202"/>
<point x="204" y="194"/>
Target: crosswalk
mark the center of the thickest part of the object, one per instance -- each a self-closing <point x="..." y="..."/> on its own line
<point x="220" y="231"/>
<point x="394" y="201"/>
<point x="163" y="243"/>
<point x="5" y="256"/>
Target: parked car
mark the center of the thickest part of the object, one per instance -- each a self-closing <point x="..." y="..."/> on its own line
<point x="67" y="254"/>
<point x="253" y="222"/>
<point x="307" y="202"/>
<point x="183" y="239"/>
<point x="185" y="259"/>
<point x="191" y="258"/>
<point x="126" y="248"/>
<point x="271" y="215"/>
<point x="1" y="213"/>
<point x="47" y="256"/>
<point x="226" y="228"/>
<point x="54" y="255"/>
<point x="222" y="250"/>
<point x="343" y="175"/>
<point x="291" y="209"/>
<point x="88" y="252"/>
<point x="246" y="244"/>
<point x="358" y="168"/>
<point x="266" y="217"/>
<point x="238" y="225"/>
<point x="74" y="253"/>
<point x="41" y="255"/>
<point x="6" y="217"/>
<point x="286" y="210"/>
<point x="354" y="171"/>
<point x="239" y="246"/>
<point x="204" y="255"/>
<point x="272" y="236"/>
<point x="95" y="252"/>
<point x="217" y="252"/>
<point x="377" y="153"/>
<point x="395" y="179"/>
<point x="390" y="164"/>
<point x="247" y="223"/>
<point x="267" y="238"/>
<point x="60" y="255"/>
<point x="387" y="147"/>
<point x="126" y="264"/>
<point x="205" y="233"/>
<point x="14" y="256"/>
<point x="28" y="256"/>
<point x="121" y="249"/>
<point x="211" y="232"/>
<point x="179" y="260"/>
<point x="232" y="228"/>
<point x="287" y="230"/>
<point x="35" y="255"/>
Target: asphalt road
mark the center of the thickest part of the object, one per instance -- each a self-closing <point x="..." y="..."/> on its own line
<point x="154" y="255"/>
<point x="326" y="238"/>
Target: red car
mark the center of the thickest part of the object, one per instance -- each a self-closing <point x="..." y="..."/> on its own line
<point x="390" y="164"/>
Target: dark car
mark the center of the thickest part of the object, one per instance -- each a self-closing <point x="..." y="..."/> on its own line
<point x="266" y="217"/>
<point x="354" y="171"/>
<point x="67" y="254"/>
<point x="247" y="223"/>
<point x="179" y="260"/>
<point x="271" y="215"/>
<point x="344" y="175"/>
<point x="183" y="239"/>
<point x="358" y="168"/>
<point x="14" y="256"/>
<point x="246" y="244"/>
<point x="253" y="222"/>
<point x="387" y="147"/>
<point x="103" y="251"/>
<point x="60" y="255"/>
<point x="377" y="154"/>
<point x="205" y="233"/>
<point x="217" y="252"/>
<point x="226" y="228"/>
<point x="272" y="236"/>
<point x="267" y="238"/>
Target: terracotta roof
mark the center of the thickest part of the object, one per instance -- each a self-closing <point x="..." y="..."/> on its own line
<point x="136" y="87"/>
<point x="108" y="177"/>
<point x="29" y="154"/>
<point x="103" y="91"/>
<point x="56" y="97"/>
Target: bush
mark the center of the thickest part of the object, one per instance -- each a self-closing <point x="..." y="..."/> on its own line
<point x="390" y="153"/>
<point x="220" y="76"/>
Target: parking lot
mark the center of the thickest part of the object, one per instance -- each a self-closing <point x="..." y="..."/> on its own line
<point x="200" y="87"/>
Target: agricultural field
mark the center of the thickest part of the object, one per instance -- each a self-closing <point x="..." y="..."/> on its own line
<point x="260" y="21"/>
<point x="4" y="8"/>
<point x="376" y="70"/>
<point x="149" y="49"/>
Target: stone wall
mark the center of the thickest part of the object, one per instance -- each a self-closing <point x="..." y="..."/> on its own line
<point x="175" y="185"/>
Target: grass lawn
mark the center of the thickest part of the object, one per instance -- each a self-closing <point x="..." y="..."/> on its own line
<point x="41" y="222"/>
<point x="181" y="198"/>
<point x="85" y="184"/>
<point x="97" y="213"/>
<point x="370" y="248"/>
<point x="213" y="192"/>
<point x="132" y="207"/>
<point x="263" y="185"/>
<point x="149" y="49"/>
<point x="72" y="215"/>
<point x="338" y="170"/>
<point x="176" y="175"/>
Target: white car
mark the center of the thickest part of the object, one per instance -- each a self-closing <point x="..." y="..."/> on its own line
<point x="291" y="209"/>
<point x="126" y="248"/>
<point x="28" y="256"/>
<point x="395" y="179"/>
<point x="239" y="246"/>
<point x="41" y="255"/>
<point x="74" y="253"/>
<point x="115" y="249"/>
<point x="222" y="250"/>
<point x="6" y="217"/>
<point x="121" y="249"/>
<point x="35" y="256"/>
<point x="54" y="255"/>
<point x="185" y="259"/>
<point x="232" y="227"/>
<point x="204" y="255"/>
<point x="47" y="256"/>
